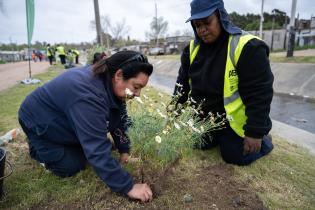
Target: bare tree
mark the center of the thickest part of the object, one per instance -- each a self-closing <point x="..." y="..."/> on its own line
<point x="116" y="31"/>
<point x="119" y="29"/>
<point x="159" y="27"/>
<point x="188" y="32"/>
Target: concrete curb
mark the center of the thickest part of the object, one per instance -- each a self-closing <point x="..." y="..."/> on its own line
<point x="294" y="135"/>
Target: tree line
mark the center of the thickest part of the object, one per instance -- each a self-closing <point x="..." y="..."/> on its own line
<point x="116" y="34"/>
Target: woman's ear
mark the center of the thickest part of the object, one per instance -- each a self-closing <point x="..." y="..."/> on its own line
<point x="118" y="75"/>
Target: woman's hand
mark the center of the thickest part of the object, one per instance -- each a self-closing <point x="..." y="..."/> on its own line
<point x="124" y="157"/>
<point x="141" y="192"/>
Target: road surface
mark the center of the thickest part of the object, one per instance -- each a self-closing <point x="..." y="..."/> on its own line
<point x="13" y="73"/>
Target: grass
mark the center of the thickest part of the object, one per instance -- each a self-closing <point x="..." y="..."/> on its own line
<point x="296" y="59"/>
<point x="283" y="180"/>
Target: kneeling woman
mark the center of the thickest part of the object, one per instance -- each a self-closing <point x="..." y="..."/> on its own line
<point x="67" y="120"/>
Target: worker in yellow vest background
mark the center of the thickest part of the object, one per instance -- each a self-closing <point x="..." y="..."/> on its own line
<point x="76" y="54"/>
<point x="227" y="71"/>
<point x="50" y="52"/>
<point x="61" y="53"/>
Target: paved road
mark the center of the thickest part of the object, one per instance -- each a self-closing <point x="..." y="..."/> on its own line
<point x="13" y="73"/>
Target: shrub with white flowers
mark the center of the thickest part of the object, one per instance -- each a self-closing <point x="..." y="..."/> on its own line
<point x="163" y="133"/>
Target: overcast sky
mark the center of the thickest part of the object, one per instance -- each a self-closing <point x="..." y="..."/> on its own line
<point x="69" y="20"/>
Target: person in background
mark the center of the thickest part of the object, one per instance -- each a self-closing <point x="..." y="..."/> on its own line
<point x="61" y="53"/>
<point x="34" y="57"/>
<point x="76" y="53"/>
<point x="227" y="71"/>
<point x="67" y="120"/>
<point x="50" y="52"/>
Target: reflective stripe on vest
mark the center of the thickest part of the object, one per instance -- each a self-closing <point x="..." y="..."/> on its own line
<point x="233" y="104"/>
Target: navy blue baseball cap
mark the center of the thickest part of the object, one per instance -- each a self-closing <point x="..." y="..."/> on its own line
<point x="204" y="8"/>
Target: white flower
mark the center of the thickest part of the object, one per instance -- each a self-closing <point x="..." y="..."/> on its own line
<point x="182" y="110"/>
<point x="176" y="126"/>
<point x="158" y="139"/>
<point x="129" y="93"/>
<point x="165" y="132"/>
<point x="163" y="104"/>
<point x="144" y="96"/>
<point x="195" y="111"/>
<point x="202" y="129"/>
<point x="160" y="94"/>
<point x="190" y="122"/>
<point x="183" y="124"/>
<point x="179" y="85"/>
<point x="161" y="114"/>
<point x="229" y="117"/>
<point x="139" y="100"/>
<point x="151" y="105"/>
<point x="195" y="129"/>
<point x="192" y="100"/>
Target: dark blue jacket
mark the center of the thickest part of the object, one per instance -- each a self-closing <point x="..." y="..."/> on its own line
<point x="91" y="110"/>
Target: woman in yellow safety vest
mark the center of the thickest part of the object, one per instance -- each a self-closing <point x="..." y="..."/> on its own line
<point x="228" y="71"/>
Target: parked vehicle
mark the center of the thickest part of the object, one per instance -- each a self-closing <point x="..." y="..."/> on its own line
<point x="156" y="51"/>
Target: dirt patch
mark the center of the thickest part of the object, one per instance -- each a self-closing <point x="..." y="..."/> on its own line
<point x="200" y="187"/>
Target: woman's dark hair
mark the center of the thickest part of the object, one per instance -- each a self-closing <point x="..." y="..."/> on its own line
<point x="130" y="62"/>
<point x="98" y="56"/>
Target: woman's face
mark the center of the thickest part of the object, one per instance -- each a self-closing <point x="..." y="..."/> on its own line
<point x="121" y="87"/>
<point x="208" y="29"/>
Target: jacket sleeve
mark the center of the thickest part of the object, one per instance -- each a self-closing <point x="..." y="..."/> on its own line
<point x="119" y="135"/>
<point x="255" y="87"/>
<point x="183" y="77"/>
<point x="89" y="119"/>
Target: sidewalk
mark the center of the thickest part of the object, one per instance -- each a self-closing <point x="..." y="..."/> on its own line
<point x="13" y="73"/>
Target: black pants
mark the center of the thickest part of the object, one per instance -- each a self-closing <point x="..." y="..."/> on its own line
<point x="51" y="58"/>
<point x="48" y="145"/>
<point x="77" y="59"/>
<point x="231" y="147"/>
<point x="62" y="59"/>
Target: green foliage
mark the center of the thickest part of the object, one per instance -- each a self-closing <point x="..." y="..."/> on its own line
<point x="2" y="62"/>
<point x="294" y="59"/>
<point x="92" y="51"/>
<point x="250" y="22"/>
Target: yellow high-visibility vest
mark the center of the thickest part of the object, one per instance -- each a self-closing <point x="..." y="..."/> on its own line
<point x="61" y="50"/>
<point x="76" y="52"/>
<point x="233" y="104"/>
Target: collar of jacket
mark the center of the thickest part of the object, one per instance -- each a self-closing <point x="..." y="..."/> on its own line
<point x="114" y="102"/>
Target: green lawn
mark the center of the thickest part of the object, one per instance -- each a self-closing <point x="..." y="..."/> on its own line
<point x="282" y="180"/>
<point x="295" y="59"/>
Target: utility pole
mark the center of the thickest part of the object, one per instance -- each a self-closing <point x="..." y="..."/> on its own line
<point x="261" y="19"/>
<point x="272" y="28"/>
<point x="156" y="26"/>
<point x="98" y="23"/>
<point x="292" y="30"/>
<point x="285" y="31"/>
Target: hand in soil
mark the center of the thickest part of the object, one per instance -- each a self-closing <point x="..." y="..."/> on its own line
<point x="141" y="192"/>
<point x="124" y="157"/>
